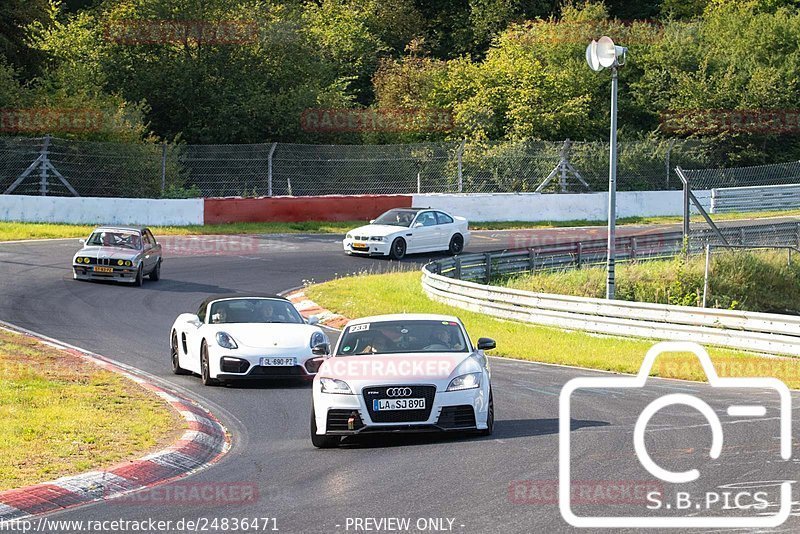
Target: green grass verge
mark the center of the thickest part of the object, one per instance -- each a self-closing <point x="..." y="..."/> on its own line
<point x="747" y="280"/>
<point x="62" y="415"/>
<point x="371" y="294"/>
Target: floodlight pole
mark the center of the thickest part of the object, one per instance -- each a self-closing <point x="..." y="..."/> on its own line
<point x="612" y="190"/>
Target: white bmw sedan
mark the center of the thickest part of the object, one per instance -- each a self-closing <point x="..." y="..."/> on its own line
<point x="247" y="337"/>
<point x="404" y="231"/>
<point x="402" y="373"/>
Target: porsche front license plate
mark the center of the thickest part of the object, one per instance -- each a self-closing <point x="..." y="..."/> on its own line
<point x="99" y="269"/>
<point x="381" y="405"/>
<point x="279" y="362"/>
<point x="361" y="246"/>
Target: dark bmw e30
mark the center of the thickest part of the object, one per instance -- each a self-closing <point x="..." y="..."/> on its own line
<point x="120" y="254"/>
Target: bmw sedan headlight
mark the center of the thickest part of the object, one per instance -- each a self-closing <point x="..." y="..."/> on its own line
<point x="377" y="238"/>
<point x="468" y="381"/>
<point x="224" y="340"/>
<point x="318" y="338"/>
<point x="332" y="385"/>
<point x="349" y="236"/>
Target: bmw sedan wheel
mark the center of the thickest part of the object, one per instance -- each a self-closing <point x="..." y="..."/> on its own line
<point x="398" y="250"/>
<point x="489" y="418"/>
<point x="321" y="442"/>
<point x="205" y="369"/>
<point x="456" y="244"/>
<point x="176" y="367"/>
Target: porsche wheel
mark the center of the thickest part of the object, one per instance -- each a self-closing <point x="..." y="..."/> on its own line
<point x="489" y="418"/>
<point x="321" y="442"/>
<point x="155" y="274"/>
<point x="205" y="369"/>
<point x="398" y="250"/>
<point x="456" y="245"/>
<point x="174" y="348"/>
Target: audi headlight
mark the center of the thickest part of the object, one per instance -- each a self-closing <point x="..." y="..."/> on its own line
<point x="468" y="381"/>
<point x="318" y="338"/>
<point x="332" y="385"/>
<point x="224" y="340"/>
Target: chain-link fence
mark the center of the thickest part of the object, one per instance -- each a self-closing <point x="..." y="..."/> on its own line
<point x="54" y="166"/>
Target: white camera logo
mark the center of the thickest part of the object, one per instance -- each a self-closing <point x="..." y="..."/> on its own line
<point x="647" y="462"/>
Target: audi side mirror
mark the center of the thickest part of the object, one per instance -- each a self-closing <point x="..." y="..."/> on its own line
<point x="486" y="343"/>
<point x="323" y="349"/>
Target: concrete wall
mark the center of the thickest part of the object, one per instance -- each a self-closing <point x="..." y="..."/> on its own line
<point x="557" y="207"/>
<point x="94" y="210"/>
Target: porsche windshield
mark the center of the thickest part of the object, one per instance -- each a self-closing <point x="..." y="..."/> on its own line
<point x="396" y="218"/>
<point x="253" y="311"/>
<point x="130" y="240"/>
<point x="392" y="337"/>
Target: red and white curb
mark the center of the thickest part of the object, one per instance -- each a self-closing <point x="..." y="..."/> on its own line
<point x="308" y="307"/>
<point x="201" y="445"/>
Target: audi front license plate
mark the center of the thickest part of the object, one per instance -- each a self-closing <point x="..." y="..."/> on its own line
<point x="380" y="405"/>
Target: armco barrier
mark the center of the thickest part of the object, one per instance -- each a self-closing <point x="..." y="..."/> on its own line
<point x="96" y="210"/>
<point x="298" y="209"/>
<point x="442" y="281"/>
<point x="762" y="198"/>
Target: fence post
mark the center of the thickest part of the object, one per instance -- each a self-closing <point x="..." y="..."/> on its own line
<point x="705" y="275"/>
<point x="487" y="261"/>
<point x="43" y="169"/>
<point x="458" y="268"/>
<point x="419" y="182"/>
<point x="460" y="173"/>
<point x="269" y="169"/>
<point x="669" y="152"/>
<point x="163" y="167"/>
<point x="579" y="253"/>
<point x="633" y="248"/>
<point x="532" y="259"/>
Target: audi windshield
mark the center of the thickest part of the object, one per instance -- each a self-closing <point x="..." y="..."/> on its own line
<point x="393" y="337"/>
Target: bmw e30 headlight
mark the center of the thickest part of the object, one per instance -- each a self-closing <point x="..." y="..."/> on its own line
<point x="225" y="341"/>
<point x="467" y="381"/>
<point x="333" y="385"/>
<point x="120" y="262"/>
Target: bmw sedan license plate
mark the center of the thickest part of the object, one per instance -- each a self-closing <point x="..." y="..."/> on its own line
<point x="361" y="246"/>
<point x="380" y="405"/>
<point x="277" y="362"/>
<point x="99" y="269"/>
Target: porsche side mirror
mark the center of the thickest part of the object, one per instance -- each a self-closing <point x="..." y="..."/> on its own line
<point x="194" y="321"/>
<point x="323" y="349"/>
<point x="486" y="343"/>
<point x="313" y="320"/>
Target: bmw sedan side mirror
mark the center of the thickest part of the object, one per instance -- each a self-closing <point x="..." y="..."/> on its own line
<point x="417" y="225"/>
<point x="82" y="241"/>
<point x="486" y="343"/>
<point x="371" y="221"/>
<point x="313" y="320"/>
<point x="323" y="349"/>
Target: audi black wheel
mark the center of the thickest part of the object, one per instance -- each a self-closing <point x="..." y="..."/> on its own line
<point x="489" y="418"/>
<point x="322" y="442"/>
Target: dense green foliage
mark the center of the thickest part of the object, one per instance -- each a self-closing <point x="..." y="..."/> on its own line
<point x="754" y="281"/>
<point x="507" y="70"/>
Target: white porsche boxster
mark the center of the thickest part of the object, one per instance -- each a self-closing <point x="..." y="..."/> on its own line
<point x="247" y="337"/>
<point x="402" y="373"/>
<point x="404" y="231"/>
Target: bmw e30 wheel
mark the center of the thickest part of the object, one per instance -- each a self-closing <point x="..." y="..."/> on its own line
<point x="139" y="277"/>
<point x="155" y="274"/>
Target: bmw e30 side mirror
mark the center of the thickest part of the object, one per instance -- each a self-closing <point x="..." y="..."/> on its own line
<point x="486" y="343"/>
<point x="323" y="349"/>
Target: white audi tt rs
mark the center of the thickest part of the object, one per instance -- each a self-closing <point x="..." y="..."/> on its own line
<point x="409" y="230"/>
<point x="401" y="373"/>
<point x="247" y="337"/>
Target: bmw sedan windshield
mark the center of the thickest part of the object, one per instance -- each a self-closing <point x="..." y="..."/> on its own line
<point x="253" y="311"/>
<point x="392" y="337"/>
<point x="396" y="218"/>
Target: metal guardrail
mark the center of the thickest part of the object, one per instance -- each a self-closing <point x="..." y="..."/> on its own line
<point x="762" y="198"/>
<point x="455" y="282"/>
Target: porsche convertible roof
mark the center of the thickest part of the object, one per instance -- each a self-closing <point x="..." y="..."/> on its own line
<point x="212" y="298"/>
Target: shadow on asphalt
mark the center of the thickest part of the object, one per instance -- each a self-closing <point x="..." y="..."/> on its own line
<point x="518" y="428"/>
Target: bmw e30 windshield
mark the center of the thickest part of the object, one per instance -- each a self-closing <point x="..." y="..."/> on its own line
<point x="393" y="337"/>
<point x="130" y="240"/>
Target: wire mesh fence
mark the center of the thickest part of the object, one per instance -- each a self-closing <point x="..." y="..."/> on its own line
<point x="53" y="166"/>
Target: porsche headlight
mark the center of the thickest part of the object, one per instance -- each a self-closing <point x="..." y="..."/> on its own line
<point x="332" y="385"/>
<point x="468" y="381"/>
<point x="318" y="338"/>
<point x="224" y="340"/>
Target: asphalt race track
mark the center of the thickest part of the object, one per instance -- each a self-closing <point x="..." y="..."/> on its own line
<point x="504" y="483"/>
